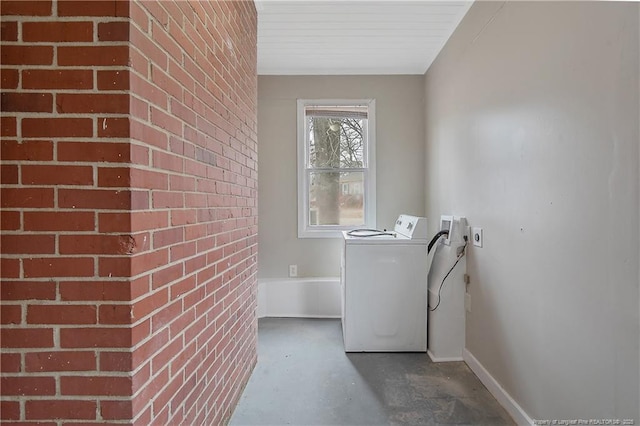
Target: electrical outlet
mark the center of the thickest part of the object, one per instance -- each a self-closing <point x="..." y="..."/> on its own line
<point x="476" y="237"/>
<point x="293" y="271"/>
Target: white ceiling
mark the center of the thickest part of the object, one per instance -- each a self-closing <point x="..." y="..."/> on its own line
<point x="311" y="37"/>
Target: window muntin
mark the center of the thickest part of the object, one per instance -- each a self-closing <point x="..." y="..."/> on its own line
<point x="336" y="177"/>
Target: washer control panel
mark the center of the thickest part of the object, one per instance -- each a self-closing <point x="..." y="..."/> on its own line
<point x="413" y="227"/>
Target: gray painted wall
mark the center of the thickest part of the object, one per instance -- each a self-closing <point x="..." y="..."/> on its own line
<point x="399" y="172"/>
<point x="532" y="133"/>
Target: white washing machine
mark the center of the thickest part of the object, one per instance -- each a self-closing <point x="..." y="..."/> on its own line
<point x="384" y="288"/>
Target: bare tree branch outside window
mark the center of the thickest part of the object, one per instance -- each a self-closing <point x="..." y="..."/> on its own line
<point x="336" y="146"/>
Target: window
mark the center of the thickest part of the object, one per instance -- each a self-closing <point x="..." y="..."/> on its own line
<point x="336" y="166"/>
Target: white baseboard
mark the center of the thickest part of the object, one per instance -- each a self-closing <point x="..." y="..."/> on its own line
<point x="509" y="404"/>
<point x="299" y="297"/>
<point x="443" y="359"/>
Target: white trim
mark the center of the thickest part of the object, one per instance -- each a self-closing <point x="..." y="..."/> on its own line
<point x="299" y="297"/>
<point x="369" y="173"/>
<point x="443" y="359"/>
<point x="509" y="404"/>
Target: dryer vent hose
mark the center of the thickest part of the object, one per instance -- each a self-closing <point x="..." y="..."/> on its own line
<point x="436" y="238"/>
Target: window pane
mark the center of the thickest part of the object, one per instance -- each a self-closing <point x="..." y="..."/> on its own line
<point x="336" y="142"/>
<point x="336" y="198"/>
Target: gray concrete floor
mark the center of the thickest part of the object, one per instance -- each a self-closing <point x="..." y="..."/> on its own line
<point x="304" y="377"/>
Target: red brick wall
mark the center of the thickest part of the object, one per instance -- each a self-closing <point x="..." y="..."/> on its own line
<point x="193" y="87"/>
<point x="128" y="210"/>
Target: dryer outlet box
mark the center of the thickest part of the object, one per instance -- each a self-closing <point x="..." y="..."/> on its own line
<point x="476" y="236"/>
<point x="456" y="225"/>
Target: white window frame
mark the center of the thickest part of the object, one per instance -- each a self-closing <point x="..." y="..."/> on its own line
<point x="305" y="230"/>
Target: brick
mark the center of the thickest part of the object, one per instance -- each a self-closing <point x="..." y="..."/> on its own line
<point x="115" y="361"/>
<point x="9" y="268"/>
<point x="9" y="410"/>
<point x="28" y="8"/>
<point x="9" y="31"/>
<point x="148" y="179"/>
<point x="92" y="55"/>
<point x="57" y="127"/>
<point x="139" y="200"/>
<point x="57" y="175"/>
<point x="161" y="37"/>
<point x="26" y="337"/>
<point x="116" y="410"/>
<point x="114" y="314"/>
<point x="8" y="174"/>
<point x="95" y="290"/>
<point x="167" y="161"/>
<point x="182" y="251"/>
<point x="166" y="275"/>
<point x="183" y="217"/>
<point x="61" y="314"/>
<point x="111" y="386"/>
<point x="27" y="290"/>
<point x="143" y="352"/>
<point x="57" y="79"/>
<point x="26" y="55"/>
<point x="166" y="121"/>
<point x="26" y="102"/>
<point x="10" y="363"/>
<point x="165" y="199"/>
<point x="58" y="267"/>
<point x="28" y="244"/>
<point x="113" y="80"/>
<point x="136" y="221"/>
<point x="94" y="199"/>
<point x="96" y="244"/>
<point x="26" y="150"/>
<point x="10" y="314"/>
<point x="113" y="127"/>
<point x="169" y="352"/>
<point x="27" y="197"/>
<point x="167" y="83"/>
<point x="10" y="220"/>
<point x="8" y="126"/>
<point x="165" y="396"/>
<point x="167" y="237"/>
<point x="140" y="286"/>
<point x="115" y="266"/>
<point x="95" y="338"/>
<point x="117" y="177"/>
<point x="149" y="49"/>
<point x="9" y="78"/>
<point x="144" y="307"/>
<point x="57" y="31"/>
<point x="59" y="221"/>
<point x="140" y="332"/>
<point x="60" y="409"/>
<point x="28" y="386"/>
<point x="92" y="103"/>
<point x="94" y="152"/>
<point x="60" y="361"/>
<point x="148" y="134"/>
<point x="93" y="8"/>
<point x="113" y="31"/>
<point x="139" y="109"/>
<point x="158" y="12"/>
<point x="114" y="222"/>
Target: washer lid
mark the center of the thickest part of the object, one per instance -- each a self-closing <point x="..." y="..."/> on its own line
<point x="395" y="238"/>
<point x="370" y="233"/>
